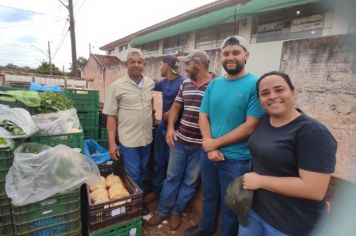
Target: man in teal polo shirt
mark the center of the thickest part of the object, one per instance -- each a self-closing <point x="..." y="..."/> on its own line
<point x="229" y="113"/>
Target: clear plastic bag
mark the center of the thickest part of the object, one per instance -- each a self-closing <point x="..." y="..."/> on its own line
<point x="57" y="122"/>
<point x="18" y="117"/>
<point x="39" y="171"/>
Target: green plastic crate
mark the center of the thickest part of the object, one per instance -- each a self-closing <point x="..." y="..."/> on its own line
<point x="73" y="140"/>
<point x="126" y="228"/>
<point x="3" y="175"/>
<point x="36" y="209"/>
<point x="8" y="88"/>
<point x="103" y="134"/>
<point x="46" y="222"/>
<point x="88" y="120"/>
<point x="2" y="188"/>
<point x="6" y="229"/>
<point x="6" y="225"/>
<point x="83" y="99"/>
<point x="6" y="156"/>
<point x="5" y="208"/>
<point x="72" y="227"/>
<point x="91" y="133"/>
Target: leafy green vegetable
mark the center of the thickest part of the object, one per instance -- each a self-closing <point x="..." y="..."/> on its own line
<point x="53" y="102"/>
<point x="11" y="127"/>
<point x="31" y="149"/>
<point x="2" y="141"/>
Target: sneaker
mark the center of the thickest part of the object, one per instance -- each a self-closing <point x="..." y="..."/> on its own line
<point x="156" y="219"/>
<point x="194" y="231"/>
<point x="150" y="197"/>
<point x="174" y="221"/>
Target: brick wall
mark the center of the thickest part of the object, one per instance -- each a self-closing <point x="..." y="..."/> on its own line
<point x="323" y="72"/>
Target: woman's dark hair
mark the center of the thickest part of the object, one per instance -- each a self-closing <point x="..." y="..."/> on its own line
<point x="281" y="74"/>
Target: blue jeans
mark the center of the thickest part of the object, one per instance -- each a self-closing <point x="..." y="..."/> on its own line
<point x="182" y="178"/>
<point x="160" y="158"/>
<point x="135" y="161"/>
<point x="216" y="176"/>
<point x="258" y="227"/>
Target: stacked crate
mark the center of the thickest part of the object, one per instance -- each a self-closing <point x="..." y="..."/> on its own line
<point x="6" y="157"/>
<point x="116" y="217"/>
<point x="87" y="104"/>
<point x="127" y="228"/>
<point x="103" y="138"/>
<point x="73" y="140"/>
<point x="57" y="215"/>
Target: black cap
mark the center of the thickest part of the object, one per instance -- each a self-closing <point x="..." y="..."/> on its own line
<point x="172" y="62"/>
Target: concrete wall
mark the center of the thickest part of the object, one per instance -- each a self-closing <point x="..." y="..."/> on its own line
<point x="323" y="72"/>
<point x="264" y="57"/>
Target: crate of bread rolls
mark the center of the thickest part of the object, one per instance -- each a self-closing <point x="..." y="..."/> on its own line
<point x="115" y="199"/>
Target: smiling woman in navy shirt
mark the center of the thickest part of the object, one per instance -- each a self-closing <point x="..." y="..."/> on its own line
<point x="293" y="157"/>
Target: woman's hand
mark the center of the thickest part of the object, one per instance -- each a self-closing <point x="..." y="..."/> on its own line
<point x="252" y="181"/>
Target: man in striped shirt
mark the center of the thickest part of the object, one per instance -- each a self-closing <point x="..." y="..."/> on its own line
<point x="184" y="158"/>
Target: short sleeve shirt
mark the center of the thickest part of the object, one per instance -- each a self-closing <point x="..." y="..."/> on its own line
<point x="227" y="103"/>
<point x="304" y="144"/>
<point x="133" y="107"/>
<point x="190" y="96"/>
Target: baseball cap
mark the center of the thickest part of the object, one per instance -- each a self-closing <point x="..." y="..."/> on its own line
<point x="239" y="200"/>
<point x="172" y="62"/>
<point x="135" y="53"/>
<point x="198" y="55"/>
<point x="235" y="40"/>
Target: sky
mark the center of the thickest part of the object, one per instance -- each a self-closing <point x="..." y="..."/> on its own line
<point x="26" y="26"/>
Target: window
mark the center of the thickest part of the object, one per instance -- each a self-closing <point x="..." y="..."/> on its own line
<point x="111" y="52"/>
<point x="150" y="49"/>
<point x="290" y="23"/>
<point x="123" y="47"/>
<point x="212" y="37"/>
<point x="176" y="43"/>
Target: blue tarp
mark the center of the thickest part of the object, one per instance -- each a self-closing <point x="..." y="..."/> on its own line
<point x="39" y="87"/>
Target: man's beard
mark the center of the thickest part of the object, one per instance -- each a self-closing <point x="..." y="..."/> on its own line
<point x="238" y="68"/>
<point x="193" y="73"/>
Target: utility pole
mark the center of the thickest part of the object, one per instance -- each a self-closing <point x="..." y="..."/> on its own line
<point x="72" y="38"/>
<point x="50" y="59"/>
<point x="72" y="35"/>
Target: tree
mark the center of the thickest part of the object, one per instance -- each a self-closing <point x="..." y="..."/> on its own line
<point x="44" y="68"/>
<point x="81" y="63"/>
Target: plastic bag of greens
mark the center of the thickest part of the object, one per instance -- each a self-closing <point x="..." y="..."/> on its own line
<point x="57" y="122"/>
<point x="16" y="123"/>
<point x="39" y="172"/>
<point x="6" y="143"/>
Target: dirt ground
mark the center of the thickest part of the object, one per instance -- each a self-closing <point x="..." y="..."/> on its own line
<point x="188" y="219"/>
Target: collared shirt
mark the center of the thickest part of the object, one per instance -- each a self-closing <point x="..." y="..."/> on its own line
<point x="133" y="107"/>
<point x="190" y="96"/>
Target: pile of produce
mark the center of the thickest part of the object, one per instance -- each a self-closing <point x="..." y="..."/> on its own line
<point x="108" y="189"/>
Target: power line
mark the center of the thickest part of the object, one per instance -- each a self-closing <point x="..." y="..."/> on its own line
<point x="80" y="7"/>
<point x="61" y="39"/>
<point x="60" y="45"/>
